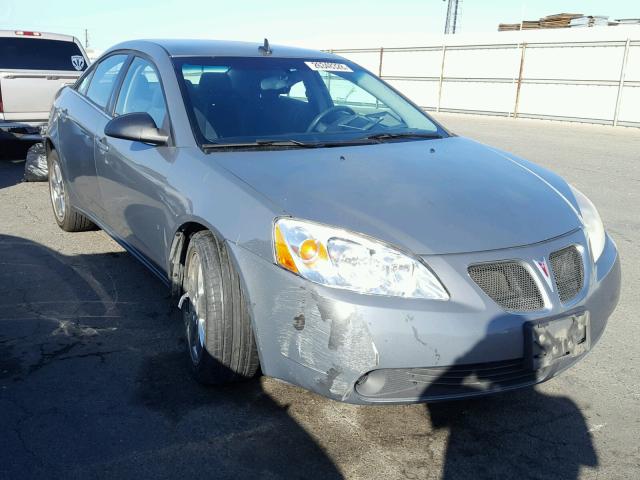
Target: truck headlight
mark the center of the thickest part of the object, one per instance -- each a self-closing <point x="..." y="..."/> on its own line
<point x="592" y="223"/>
<point x="342" y="259"/>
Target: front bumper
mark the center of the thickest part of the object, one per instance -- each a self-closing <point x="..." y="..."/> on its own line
<point x="329" y="340"/>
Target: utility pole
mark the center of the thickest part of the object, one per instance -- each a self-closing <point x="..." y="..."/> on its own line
<point x="453" y="9"/>
<point x="86" y="38"/>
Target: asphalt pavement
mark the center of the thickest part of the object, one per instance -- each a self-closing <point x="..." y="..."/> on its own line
<point x="94" y="384"/>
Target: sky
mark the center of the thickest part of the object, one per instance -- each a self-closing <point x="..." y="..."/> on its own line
<point x="318" y="24"/>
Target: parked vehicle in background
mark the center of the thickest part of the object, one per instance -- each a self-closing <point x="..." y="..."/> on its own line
<point x="33" y="67"/>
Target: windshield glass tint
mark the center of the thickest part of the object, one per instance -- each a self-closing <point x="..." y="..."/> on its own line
<point x="39" y="54"/>
<point x="241" y="100"/>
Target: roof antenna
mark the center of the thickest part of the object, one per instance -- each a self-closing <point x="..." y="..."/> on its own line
<point x="265" y="49"/>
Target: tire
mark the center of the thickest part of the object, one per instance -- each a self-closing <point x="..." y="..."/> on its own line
<point x="67" y="217"/>
<point x="221" y="346"/>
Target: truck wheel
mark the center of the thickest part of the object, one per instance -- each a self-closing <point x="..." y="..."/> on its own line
<point x="220" y="339"/>
<point x="67" y="217"/>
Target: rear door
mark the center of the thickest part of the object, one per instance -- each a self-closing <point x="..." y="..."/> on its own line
<point x="82" y="113"/>
<point x="32" y="70"/>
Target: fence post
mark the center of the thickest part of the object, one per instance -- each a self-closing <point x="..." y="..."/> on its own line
<point x="444" y="51"/>
<point x="519" y="85"/>
<point x="623" y="69"/>
<point x="380" y="64"/>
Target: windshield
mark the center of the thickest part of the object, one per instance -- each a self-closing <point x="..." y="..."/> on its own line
<point x="300" y="101"/>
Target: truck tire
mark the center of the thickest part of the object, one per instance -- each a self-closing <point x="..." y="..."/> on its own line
<point x="220" y="341"/>
<point x="67" y="217"/>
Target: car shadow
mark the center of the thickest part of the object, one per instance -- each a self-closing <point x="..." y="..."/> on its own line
<point x="515" y="434"/>
<point x="94" y="382"/>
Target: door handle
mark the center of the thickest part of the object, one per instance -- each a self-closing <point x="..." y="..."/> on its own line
<point x="102" y="145"/>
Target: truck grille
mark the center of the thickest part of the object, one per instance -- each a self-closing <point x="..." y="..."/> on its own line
<point x="509" y="284"/>
<point x="568" y="272"/>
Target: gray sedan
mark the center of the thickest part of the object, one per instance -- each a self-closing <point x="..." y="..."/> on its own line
<point x="312" y="222"/>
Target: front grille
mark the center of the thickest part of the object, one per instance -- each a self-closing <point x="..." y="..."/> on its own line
<point x="445" y="382"/>
<point x="568" y="272"/>
<point x="509" y="284"/>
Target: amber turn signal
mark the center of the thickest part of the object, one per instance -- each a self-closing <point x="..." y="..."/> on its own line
<point x="283" y="255"/>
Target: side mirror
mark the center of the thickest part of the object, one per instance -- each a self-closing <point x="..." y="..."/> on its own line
<point x="138" y="126"/>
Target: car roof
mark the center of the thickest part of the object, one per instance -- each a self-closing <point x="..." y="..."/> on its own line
<point x="214" y="48"/>
<point x="39" y="36"/>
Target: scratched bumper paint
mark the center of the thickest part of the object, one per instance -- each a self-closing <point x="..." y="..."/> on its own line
<point x="325" y="339"/>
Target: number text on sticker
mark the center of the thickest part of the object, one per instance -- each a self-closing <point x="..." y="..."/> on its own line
<point x="328" y="66"/>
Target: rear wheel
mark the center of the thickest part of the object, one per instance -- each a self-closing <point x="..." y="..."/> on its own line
<point x="220" y="340"/>
<point x="67" y="217"/>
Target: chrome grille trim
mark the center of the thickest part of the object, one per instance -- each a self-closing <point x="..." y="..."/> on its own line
<point x="568" y="272"/>
<point x="509" y="284"/>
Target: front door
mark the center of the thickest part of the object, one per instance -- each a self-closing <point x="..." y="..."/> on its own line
<point x="132" y="175"/>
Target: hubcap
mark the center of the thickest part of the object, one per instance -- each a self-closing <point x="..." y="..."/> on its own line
<point x="195" y="310"/>
<point x="56" y="189"/>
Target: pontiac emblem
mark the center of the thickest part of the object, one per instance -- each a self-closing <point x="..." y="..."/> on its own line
<point x="543" y="267"/>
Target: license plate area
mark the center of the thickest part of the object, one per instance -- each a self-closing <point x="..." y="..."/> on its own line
<point x="550" y="340"/>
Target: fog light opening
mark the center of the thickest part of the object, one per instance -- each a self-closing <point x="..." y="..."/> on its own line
<point x="371" y="383"/>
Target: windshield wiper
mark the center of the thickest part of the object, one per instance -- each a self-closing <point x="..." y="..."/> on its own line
<point x="264" y="142"/>
<point x="288" y="142"/>
<point x="268" y="142"/>
<point x="386" y="135"/>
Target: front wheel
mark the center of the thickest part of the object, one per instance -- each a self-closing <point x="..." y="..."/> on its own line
<point x="220" y="340"/>
<point x="67" y="217"/>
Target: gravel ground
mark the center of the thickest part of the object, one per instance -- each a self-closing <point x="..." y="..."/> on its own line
<point x="93" y="380"/>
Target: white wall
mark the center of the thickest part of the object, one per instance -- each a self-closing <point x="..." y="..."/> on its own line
<point x="566" y="73"/>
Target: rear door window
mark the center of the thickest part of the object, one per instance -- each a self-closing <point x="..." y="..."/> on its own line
<point x="22" y="53"/>
<point x="104" y="78"/>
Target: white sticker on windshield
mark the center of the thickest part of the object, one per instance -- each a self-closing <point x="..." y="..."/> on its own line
<point x="77" y="61"/>
<point x="328" y="67"/>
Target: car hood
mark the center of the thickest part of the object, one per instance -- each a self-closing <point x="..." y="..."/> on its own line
<point x="449" y="195"/>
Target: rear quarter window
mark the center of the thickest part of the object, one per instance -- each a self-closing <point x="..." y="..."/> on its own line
<point x="40" y="54"/>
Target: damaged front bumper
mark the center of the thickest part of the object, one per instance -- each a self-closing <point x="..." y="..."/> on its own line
<point x="373" y="349"/>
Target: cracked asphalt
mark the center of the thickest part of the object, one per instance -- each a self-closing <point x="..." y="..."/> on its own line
<point x="94" y="384"/>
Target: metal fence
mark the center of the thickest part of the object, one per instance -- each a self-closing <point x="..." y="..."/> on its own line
<point x="595" y="82"/>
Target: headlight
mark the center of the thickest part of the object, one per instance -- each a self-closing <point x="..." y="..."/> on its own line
<point x="592" y="223"/>
<point x="338" y="258"/>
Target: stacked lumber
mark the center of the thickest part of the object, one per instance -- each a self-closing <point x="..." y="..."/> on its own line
<point x="530" y="24"/>
<point x="506" y="27"/>
<point x="559" y="20"/>
<point x="526" y="25"/>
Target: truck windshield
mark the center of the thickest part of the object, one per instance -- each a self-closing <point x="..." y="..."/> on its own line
<point x="24" y="53"/>
<point x="294" y="101"/>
